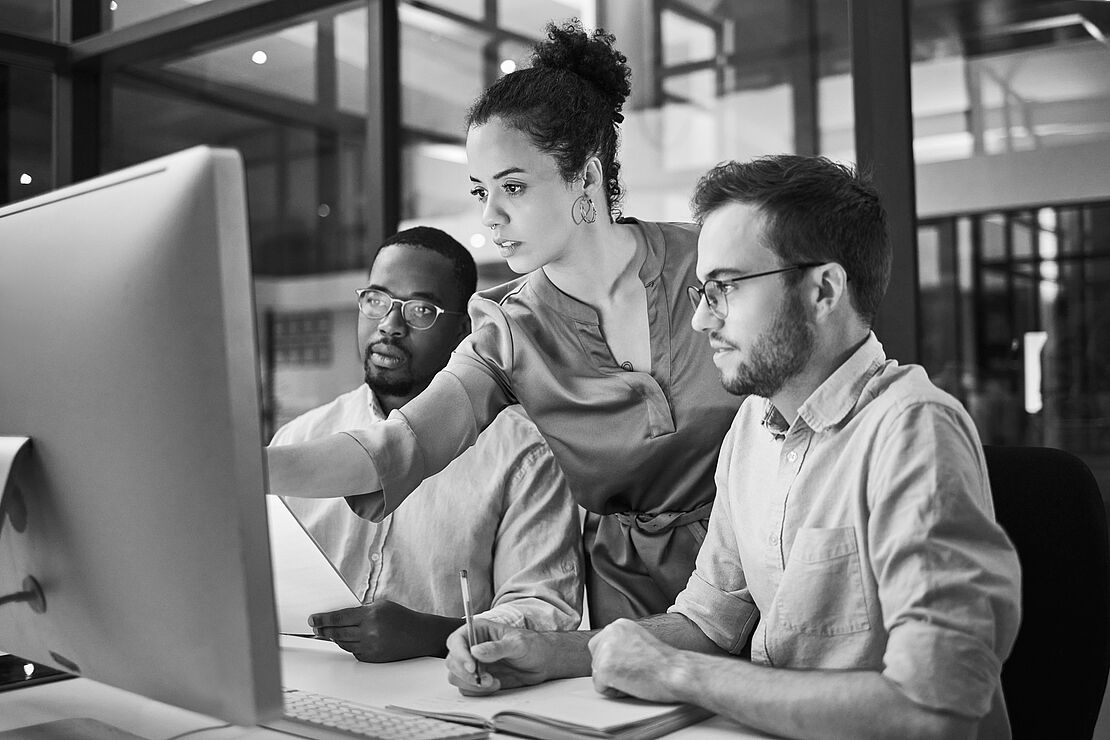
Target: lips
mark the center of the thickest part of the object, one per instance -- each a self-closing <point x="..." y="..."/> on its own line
<point x="506" y="246"/>
<point x="387" y="357"/>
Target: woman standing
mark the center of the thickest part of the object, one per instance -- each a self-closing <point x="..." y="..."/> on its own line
<point x="594" y="341"/>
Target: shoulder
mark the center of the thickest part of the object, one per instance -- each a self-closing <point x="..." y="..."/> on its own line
<point x="348" y="411"/>
<point x="505" y="303"/>
<point x="672" y="246"/>
<point x="897" y="388"/>
<point x="672" y="233"/>
<point x="911" y="418"/>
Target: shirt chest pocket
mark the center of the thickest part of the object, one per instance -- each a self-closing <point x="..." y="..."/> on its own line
<point x="821" y="591"/>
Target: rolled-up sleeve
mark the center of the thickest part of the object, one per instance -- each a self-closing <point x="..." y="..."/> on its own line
<point x="948" y="577"/>
<point x="716" y="596"/>
<point x="537" y="561"/>
<point x="426" y="434"/>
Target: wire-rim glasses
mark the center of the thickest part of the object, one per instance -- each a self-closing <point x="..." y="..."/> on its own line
<point x="715" y="291"/>
<point x="419" y="314"/>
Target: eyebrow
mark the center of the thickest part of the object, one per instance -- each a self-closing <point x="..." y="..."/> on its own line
<point x="503" y="173"/>
<point x="729" y="271"/>
<point x="421" y="294"/>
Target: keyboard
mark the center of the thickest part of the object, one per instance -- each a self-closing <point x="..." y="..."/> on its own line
<point x="322" y="717"/>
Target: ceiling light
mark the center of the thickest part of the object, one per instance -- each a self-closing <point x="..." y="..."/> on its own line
<point x="113" y="5"/>
<point x="477" y="240"/>
<point x="24" y="179"/>
<point x="508" y="66"/>
<point x="259" y="57"/>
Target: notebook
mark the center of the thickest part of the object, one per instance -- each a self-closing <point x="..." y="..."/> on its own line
<point x="567" y="709"/>
<point x="305" y="581"/>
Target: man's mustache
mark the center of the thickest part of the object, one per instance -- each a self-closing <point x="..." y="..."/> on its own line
<point x="372" y="347"/>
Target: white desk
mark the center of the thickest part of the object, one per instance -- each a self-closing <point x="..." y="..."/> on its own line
<point x="306" y="664"/>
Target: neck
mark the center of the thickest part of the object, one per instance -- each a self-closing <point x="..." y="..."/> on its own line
<point x="602" y="259"/>
<point x="391" y="403"/>
<point x="827" y="357"/>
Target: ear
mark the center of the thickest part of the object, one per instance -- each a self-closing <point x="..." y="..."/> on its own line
<point x="464" y="328"/>
<point x="831" y="283"/>
<point x="592" y="180"/>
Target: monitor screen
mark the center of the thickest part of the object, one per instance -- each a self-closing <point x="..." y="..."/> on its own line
<point x="128" y="355"/>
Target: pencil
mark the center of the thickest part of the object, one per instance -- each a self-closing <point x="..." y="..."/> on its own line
<point x="469" y="609"/>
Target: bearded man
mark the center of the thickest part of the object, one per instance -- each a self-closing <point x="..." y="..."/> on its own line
<point x="853" y="582"/>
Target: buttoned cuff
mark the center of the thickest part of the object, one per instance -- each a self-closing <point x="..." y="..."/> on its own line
<point x="726" y="618"/>
<point x="942" y="669"/>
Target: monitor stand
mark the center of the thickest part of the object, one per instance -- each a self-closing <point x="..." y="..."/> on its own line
<point x="14" y="509"/>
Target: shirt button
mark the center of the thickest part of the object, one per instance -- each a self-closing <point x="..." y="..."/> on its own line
<point x="792" y="456"/>
<point x="375" y="557"/>
<point x="773" y="540"/>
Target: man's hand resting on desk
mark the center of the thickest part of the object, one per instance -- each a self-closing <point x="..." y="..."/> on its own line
<point x="629" y="660"/>
<point x="385" y="631"/>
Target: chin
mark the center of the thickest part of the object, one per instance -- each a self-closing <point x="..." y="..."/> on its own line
<point x="521" y="265"/>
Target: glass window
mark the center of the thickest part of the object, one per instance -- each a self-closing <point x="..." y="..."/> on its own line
<point x="738" y="81"/>
<point x="33" y="18"/>
<point x="1010" y="143"/>
<point x="128" y="12"/>
<point x="26" y="123"/>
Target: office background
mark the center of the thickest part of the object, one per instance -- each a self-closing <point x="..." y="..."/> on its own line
<point x="986" y="123"/>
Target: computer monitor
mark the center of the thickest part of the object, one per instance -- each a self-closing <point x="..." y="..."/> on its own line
<point x="128" y="355"/>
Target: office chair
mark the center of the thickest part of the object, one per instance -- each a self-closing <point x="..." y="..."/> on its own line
<point x="1049" y="503"/>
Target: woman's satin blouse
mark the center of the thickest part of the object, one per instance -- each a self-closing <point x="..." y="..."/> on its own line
<point x="627" y="441"/>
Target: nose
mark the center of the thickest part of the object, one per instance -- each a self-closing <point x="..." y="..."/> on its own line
<point x="393" y="323"/>
<point x="492" y="214"/>
<point x="703" y="319"/>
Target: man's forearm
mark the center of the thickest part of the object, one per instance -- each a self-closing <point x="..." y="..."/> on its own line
<point x="680" y="632"/>
<point x="806" y="704"/>
<point x="565" y="654"/>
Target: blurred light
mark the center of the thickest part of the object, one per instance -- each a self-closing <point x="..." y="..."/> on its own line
<point x="323" y="210"/>
<point x="1034" y="342"/>
<point x="508" y="66"/>
<point x="24" y="179"/>
<point x="477" y="240"/>
<point x="447" y="152"/>
<point x="259" y="57"/>
<point x="29" y="668"/>
<point x="113" y="5"/>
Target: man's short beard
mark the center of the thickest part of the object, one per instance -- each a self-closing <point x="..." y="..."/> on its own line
<point x="382" y="382"/>
<point x="399" y="386"/>
<point x="780" y="352"/>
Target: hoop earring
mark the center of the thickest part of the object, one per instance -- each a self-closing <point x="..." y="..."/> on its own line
<point x="583" y="210"/>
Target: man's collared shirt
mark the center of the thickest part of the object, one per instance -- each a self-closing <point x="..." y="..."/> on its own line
<point x="501" y="510"/>
<point x="863" y="536"/>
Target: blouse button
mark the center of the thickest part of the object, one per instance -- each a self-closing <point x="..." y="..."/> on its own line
<point x="375" y="557"/>
<point x="792" y="456"/>
<point x="627" y="366"/>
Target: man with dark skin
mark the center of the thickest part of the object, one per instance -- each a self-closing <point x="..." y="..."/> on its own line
<point x="499" y="496"/>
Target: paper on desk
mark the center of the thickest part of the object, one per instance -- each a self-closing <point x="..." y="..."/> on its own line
<point x="305" y="581"/>
<point x="568" y="700"/>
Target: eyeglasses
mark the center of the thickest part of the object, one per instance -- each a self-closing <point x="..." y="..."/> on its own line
<point x="418" y="314"/>
<point x="714" y="291"/>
